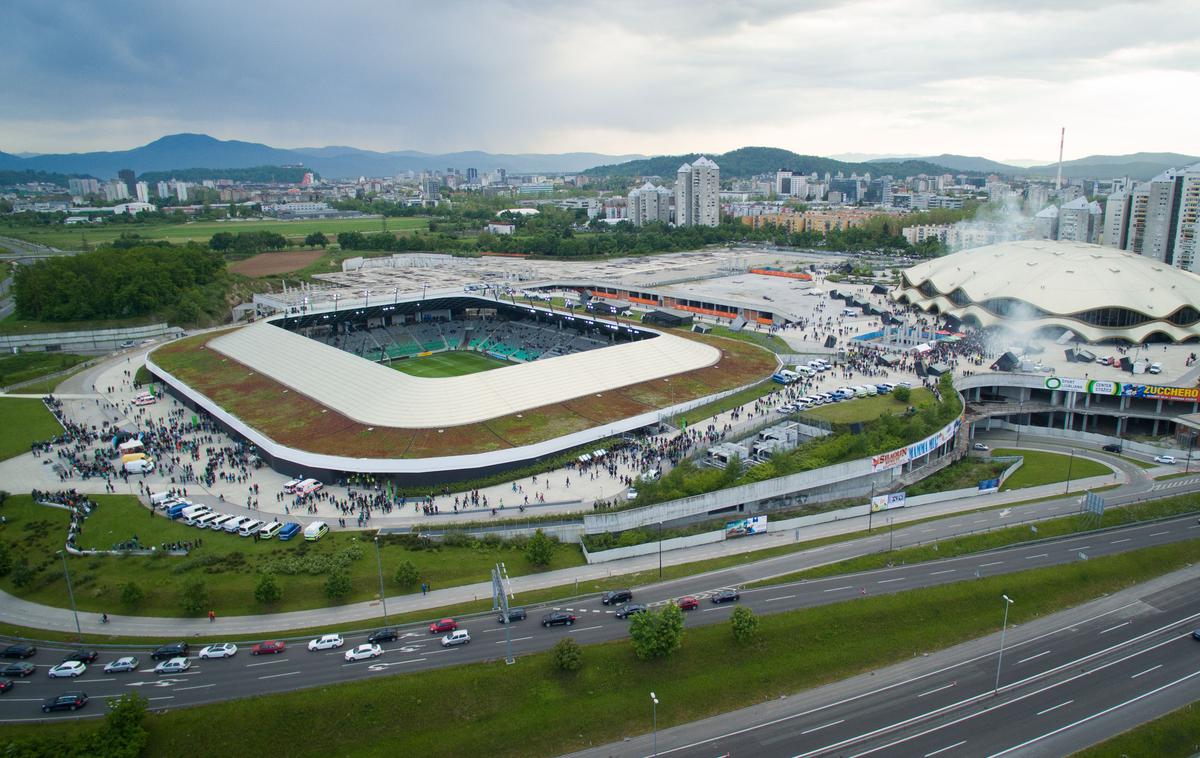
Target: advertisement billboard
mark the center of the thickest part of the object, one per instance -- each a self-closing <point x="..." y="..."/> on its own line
<point x="887" y="502"/>
<point x="988" y="486"/>
<point x="1123" y="389"/>
<point x="894" y="458"/>
<point x="745" y="527"/>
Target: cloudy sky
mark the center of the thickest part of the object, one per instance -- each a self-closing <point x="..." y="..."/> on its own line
<point x="619" y="76"/>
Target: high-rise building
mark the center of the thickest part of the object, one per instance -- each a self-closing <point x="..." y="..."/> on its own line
<point x="116" y="191"/>
<point x="1187" y="254"/>
<point x="1045" y="223"/>
<point x="1151" y="217"/>
<point x="181" y="191"/>
<point x="783" y="183"/>
<point x="163" y="190"/>
<point x="142" y="191"/>
<point x="1158" y="219"/>
<point x="472" y="176"/>
<point x="649" y="204"/>
<point x="1116" y="210"/>
<point x="84" y="186"/>
<point x="127" y="176"/>
<point x="698" y="194"/>
<point x="1079" y="220"/>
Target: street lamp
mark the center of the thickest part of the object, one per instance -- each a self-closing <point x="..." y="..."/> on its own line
<point x="890" y="530"/>
<point x="654" y="719"/>
<point x="1070" y="463"/>
<point x="1000" y="658"/>
<point x="379" y="563"/>
<point x="71" y="594"/>
<point x="660" y="550"/>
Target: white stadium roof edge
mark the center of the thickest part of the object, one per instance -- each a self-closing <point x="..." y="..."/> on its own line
<point x="376" y="395"/>
<point x="1098" y="292"/>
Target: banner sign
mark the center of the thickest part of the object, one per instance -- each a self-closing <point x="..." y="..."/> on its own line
<point x="887" y="502"/>
<point x="988" y="486"/>
<point x="746" y="526"/>
<point x="894" y="458"/>
<point x="1123" y="389"/>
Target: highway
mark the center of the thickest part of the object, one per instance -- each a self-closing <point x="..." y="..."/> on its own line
<point x="245" y="675"/>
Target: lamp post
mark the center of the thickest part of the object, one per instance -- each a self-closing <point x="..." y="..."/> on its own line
<point x="660" y="550"/>
<point x="890" y="530"/>
<point x="1000" y="658"/>
<point x="1070" y="463"/>
<point x="379" y="564"/>
<point x="654" y="719"/>
<point x="71" y="594"/>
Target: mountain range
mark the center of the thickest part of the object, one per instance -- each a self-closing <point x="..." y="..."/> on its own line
<point x="1135" y="165"/>
<point x="746" y="162"/>
<point x="183" y="151"/>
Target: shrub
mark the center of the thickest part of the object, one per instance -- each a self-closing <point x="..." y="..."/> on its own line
<point x="195" y="596"/>
<point x="132" y="595"/>
<point x="338" y="586"/>
<point x="540" y="549"/>
<point x="406" y="574"/>
<point x="744" y="624"/>
<point x="567" y="655"/>
<point x="22" y="575"/>
<point x="657" y="634"/>
<point x="267" y="590"/>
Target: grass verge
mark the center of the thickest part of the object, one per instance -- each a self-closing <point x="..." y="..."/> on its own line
<point x="772" y="342"/>
<point x="1046" y="468"/>
<point x="530" y="709"/>
<point x="1176" y="735"/>
<point x="24" y="367"/>
<point x="870" y="408"/>
<point x="24" y="420"/>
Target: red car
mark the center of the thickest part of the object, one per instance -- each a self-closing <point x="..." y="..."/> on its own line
<point x="270" y="646"/>
<point x="443" y="626"/>
<point x="687" y="603"/>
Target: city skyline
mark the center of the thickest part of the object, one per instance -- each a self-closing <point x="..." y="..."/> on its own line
<point x="929" y="78"/>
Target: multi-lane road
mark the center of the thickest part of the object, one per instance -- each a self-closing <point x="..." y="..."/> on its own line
<point x="417" y="649"/>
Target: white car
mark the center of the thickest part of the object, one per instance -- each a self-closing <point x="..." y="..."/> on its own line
<point x="364" y="652"/>
<point x="173" y="666"/>
<point x="979" y="446"/>
<point x="68" y="668"/>
<point x="128" y="663"/>
<point x="457" y="637"/>
<point x="219" y="650"/>
<point x="326" y="642"/>
<point x="1164" y="459"/>
<point x="631" y="494"/>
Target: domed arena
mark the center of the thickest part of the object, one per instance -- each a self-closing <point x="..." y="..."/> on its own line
<point x="1042" y="286"/>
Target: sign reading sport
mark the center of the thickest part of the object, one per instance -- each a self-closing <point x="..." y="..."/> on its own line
<point x="1123" y="389"/>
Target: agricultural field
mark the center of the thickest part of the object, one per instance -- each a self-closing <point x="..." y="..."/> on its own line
<point x="270" y="264"/>
<point x="454" y="363"/>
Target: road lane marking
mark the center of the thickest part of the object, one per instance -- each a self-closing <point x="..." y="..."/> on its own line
<point x="1081" y="547"/>
<point x="1030" y="658"/>
<point x="993" y="563"/>
<point x="781" y="597"/>
<point x="1147" y="671"/>
<point x="1117" y="542"/>
<point x="585" y="629"/>
<point x="826" y="726"/>
<point x="937" y="689"/>
<point x="1039" y="555"/>
<point x="514" y="639"/>
<point x="267" y="663"/>
<point x="835" y="589"/>
<point x="1159" y="534"/>
<point x="162" y="697"/>
<point x="1054" y="707"/>
<point x="886" y="581"/>
<point x="194" y="687"/>
<point x="275" y="676"/>
<point x="1118" y="626"/>
<point x="947" y="571"/>
<point x="944" y="749"/>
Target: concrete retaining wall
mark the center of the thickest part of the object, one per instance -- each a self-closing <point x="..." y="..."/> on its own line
<point x="649" y="548"/>
<point x="96" y="341"/>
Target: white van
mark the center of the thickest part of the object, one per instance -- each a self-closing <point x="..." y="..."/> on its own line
<point x="145" y="399"/>
<point x="159" y="498"/>
<point x="192" y="514"/>
<point x="219" y="523"/>
<point x="315" y="531"/>
<point x="270" y="530"/>
<point x="308" y="486"/>
<point x="290" y="485"/>
<point x="141" y="466"/>
<point x="203" y="522"/>
<point x="871" y="389"/>
<point x="859" y="391"/>
<point x="250" y="527"/>
<point x="235" y="523"/>
<point x="1155" y="368"/>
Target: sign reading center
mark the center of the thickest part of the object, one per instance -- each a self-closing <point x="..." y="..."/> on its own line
<point x="1123" y="389"/>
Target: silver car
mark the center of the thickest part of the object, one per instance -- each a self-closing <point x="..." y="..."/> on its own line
<point x="122" y="665"/>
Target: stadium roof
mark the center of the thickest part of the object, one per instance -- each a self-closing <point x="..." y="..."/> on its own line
<point x="1096" y="291"/>
<point x="376" y="395"/>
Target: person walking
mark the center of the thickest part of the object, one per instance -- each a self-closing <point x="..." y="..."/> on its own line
<point x="212" y="616"/>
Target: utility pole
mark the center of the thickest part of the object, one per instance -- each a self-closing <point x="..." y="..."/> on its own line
<point x="501" y="591"/>
<point x="379" y="563"/>
<point x="71" y="594"/>
<point x="1000" y="658"/>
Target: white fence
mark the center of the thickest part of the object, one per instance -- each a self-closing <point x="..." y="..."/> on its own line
<point x="1070" y="434"/>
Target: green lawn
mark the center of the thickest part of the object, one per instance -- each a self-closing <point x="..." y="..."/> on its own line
<point x="1044" y="468"/>
<point x="228" y="564"/>
<point x="1176" y="735"/>
<point x="26" y="366"/>
<point x="772" y="342"/>
<point x="71" y="238"/>
<point x="748" y="395"/>
<point x="968" y="472"/>
<point x="23" y="421"/>
<point x="530" y="709"/>
<point x="453" y="363"/>
<point x="870" y="408"/>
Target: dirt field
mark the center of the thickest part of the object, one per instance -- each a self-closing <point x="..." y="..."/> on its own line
<point x="269" y="264"/>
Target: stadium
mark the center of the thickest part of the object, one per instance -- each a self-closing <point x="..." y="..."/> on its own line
<point x="1098" y="293"/>
<point x="424" y="391"/>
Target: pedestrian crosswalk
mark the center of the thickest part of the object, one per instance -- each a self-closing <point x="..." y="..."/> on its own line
<point x="1172" y="484"/>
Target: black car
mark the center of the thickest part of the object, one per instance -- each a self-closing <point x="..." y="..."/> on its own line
<point x="1111" y="447"/>
<point x="612" y="597"/>
<point x="627" y="610"/>
<point x="514" y="614"/>
<point x="21" y="668"/>
<point x="726" y="596"/>
<point x="173" y="650"/>
<point x="382" y="635"/>
<point x="18" y="651"/>
<point x="1196" y="634"/>
<point x="83" y="656"/>
<point x="558" y="618"/>
<point x="68" y="701"/>
<point x="6" y="685"/>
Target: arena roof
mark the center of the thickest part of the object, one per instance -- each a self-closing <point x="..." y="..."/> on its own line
<point x="379" y="396"/>
<point x="1096" y="291"/>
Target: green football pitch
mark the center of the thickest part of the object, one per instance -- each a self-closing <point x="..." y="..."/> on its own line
<point x="454" y="363"/>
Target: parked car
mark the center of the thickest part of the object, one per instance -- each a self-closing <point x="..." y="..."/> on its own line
<point x="20" y="668"/>
<point x="514" y="614"/>
<point x="1164" y="459"/>
<point x="173" y="650"/>
<point x="219" y="650"/>
<point x="383" y="635"/>
<point x="67" y="669"/>
<point x="122" y="665"/>
<point x="445" y="625"/>
<point x="1112" y="447"/>
<point x="726" y="596"/>
<point x="629" y="609"/>
<point x="558" y="618"/>
<point x="979" y="446"/>
<point x="173" y="666"/>
<point x="269" y="647"/>
<point x="613" y="597"/>
<point x="68" y="701"/>
<point x="363" y="652"/>
<point x="687" y="603"/>
<point x="631" y="494"/>
<point x="326" y="642"/>
<point x="18" y="651"/>
<point x="83" y="656"/>
<point x="457" y="637"/>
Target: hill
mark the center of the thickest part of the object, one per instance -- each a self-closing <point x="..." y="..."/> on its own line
<point x="964" y="163"/>
<point x="199" y="151"/>
<point x="1135" y="165"/>
<point x="746" y="162"/>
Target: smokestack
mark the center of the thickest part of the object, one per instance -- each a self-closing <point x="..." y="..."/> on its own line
<point x="1062" y="137"/>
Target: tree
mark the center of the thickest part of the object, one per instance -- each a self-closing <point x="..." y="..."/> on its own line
<point x="406" y="574"/>
<point x="132" y="595"/>
<point x="22" y="575"/>
<point x="903" y="394"/>
<point x="567" y="655"/>
<point x="267" y="590"/>
<point x="744" y="624"/>
<point x="195" y="596"/>
<point x="657" y="634"/>
<point x="316" y="239"/>
<point x="6" y="563"/>
<point x="540" y="549"/>
<point x="338" y="586"/>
